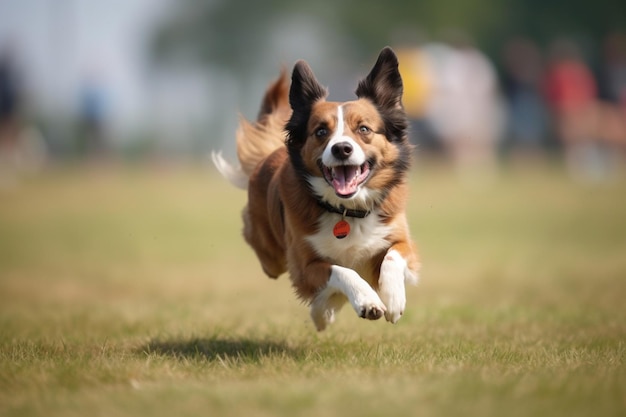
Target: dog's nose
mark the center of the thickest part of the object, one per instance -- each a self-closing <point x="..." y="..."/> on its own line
<point x="342" y="150"/>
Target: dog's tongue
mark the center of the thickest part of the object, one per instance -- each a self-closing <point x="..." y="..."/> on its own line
<point x="344" y="179"/>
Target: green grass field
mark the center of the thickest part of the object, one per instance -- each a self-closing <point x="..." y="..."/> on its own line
<point x="129" y="291"/>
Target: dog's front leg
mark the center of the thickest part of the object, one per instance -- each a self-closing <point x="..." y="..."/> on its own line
<point x="395" y="270"/>
<point x="344" y="283"/>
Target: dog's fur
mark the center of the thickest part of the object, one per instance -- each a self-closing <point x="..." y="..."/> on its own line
<point x="308" y="163"/>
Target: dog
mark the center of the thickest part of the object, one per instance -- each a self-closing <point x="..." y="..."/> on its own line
<point x="327" y="191"/>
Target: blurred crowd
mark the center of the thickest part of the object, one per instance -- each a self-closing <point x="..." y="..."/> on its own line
<point x="530" y="101"/>
<point x="537" y="100"/>
<point x="23" y="146"/>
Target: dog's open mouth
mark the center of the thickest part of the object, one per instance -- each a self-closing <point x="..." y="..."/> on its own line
<point x="346" y="179"/>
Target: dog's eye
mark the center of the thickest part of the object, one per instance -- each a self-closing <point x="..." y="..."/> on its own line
<point x="364" y="130"/>
<point x="321" y="132"/>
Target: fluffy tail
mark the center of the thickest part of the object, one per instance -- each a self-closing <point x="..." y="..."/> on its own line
<point x="256" y="140"/>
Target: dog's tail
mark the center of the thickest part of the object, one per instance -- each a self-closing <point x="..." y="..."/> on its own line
<point x="256" y="140"/>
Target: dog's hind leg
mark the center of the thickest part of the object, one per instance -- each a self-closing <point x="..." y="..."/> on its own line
<point x="324" y="307"/>
<point x="259" y="236"/>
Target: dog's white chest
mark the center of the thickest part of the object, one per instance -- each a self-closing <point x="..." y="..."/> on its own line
<point x="367" y="236"/>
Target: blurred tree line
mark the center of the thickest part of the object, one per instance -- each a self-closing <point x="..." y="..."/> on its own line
<point x="232" y="34"/>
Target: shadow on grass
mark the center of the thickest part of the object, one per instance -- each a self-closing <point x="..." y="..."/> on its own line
<point x="218" y="348"/>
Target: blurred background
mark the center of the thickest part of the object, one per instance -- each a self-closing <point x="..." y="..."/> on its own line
<point x="487" y="82"/>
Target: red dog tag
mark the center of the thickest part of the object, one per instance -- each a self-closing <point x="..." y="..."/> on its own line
<point x="341" y="229"/>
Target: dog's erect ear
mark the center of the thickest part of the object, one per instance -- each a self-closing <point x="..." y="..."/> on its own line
<point x="383" y="85"/>
<point x="305" y="89"/>
<point x="304" y="92"/>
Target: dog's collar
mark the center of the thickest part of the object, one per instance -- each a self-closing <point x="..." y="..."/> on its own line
<point x="346" y="212"/>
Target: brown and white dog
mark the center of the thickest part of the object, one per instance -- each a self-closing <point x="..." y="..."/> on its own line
<point x="327" y="189"/>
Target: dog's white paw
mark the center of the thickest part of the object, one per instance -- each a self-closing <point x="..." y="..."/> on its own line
<point x="395" y="302"/>
<point x="364" y="299"/>
<point x="345" y="284"/>
<point x="371" y="311"/>
<point x="367" y="303"/>
<point x="391" y="285"/>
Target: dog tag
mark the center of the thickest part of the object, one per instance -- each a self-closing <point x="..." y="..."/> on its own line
<point x="341" y="229"/>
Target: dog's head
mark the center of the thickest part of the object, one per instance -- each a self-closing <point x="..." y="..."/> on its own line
<point x="350" y="153"/>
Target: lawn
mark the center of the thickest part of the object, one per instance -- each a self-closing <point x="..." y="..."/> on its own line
<point x="129" y="291"/>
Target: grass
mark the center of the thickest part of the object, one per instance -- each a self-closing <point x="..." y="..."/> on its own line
<point x="129" y="291"/>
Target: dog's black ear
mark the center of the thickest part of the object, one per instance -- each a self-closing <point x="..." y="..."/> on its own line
<point x="383" y="85"/>
<point x="305" y="90"/>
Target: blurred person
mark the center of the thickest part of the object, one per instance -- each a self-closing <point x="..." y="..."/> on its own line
<point x="611" y="111"/>
<point x="527" y="122"/>
<point x="92" y="137"/>
<point x="22" y="147"/>
<point x="464" y="108"/>
<point x="571" y="91"/>
<point x="10" y="97"/>
<point x="613" y="73"/>
<point x="589" y="129"/>
<point x="418" y="78"/>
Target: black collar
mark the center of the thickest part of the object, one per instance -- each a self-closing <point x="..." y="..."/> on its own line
<point x="342" y="210"/>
